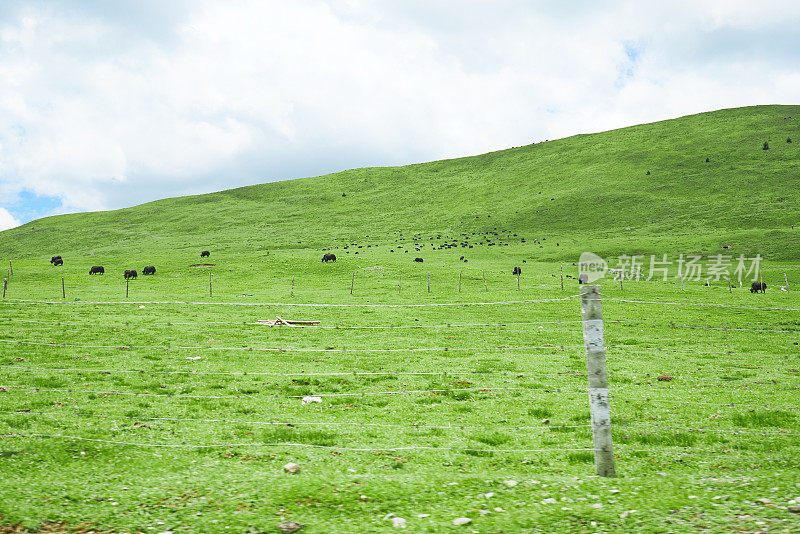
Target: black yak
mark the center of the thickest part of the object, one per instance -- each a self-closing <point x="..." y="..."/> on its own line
<point x="56" y="260"/>
<point x="517" y="271"/>
<point x="130" y="274"/>
<point x="97" y="269"/>
<point x="758" y="286"/>
<point x="149" y="270"/>
<point x="418" y="260"/>
<point x="205" y="254"/>
<point x="329" y="257"/>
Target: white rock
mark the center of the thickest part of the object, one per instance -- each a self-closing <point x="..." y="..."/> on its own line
<point x="308" y="399"/>
<point x="398" y="522"/>
<point x="491" y="494"/>
<point x="549" y="500"/>
<point x="291" y="468"/>
<point x="510" y="483"/>
<point x="461" y="521"/>
<point x="423" y="516"/>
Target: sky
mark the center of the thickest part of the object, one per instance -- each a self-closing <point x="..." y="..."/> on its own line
<point x="111" y="103"/>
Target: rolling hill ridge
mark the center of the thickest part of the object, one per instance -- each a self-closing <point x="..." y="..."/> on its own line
<point x="690" y="185"/>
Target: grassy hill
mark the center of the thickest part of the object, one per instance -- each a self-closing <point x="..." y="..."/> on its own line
<point x="586" y="192"/>
<point x="447" y="389"/>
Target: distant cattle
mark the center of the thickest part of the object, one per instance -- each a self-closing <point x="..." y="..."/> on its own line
<point x="56" y="260"/>
<point x="329" y="257"/>
<point x="97" y="269"/>
<point x="758" y="286"/>
<point x="149" y="270"/>
<point x="205" y="254"/>
<point x="583" y="278"/>
<point x="418" y="260"/>
<point x="517" y="271"/>
<point x="130" y="274"/>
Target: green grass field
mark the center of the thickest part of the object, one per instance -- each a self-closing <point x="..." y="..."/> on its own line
<point x="171" y="409"/>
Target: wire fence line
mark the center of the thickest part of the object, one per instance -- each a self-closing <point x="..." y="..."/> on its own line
<point x="290" y="444"/>
<point x="738" y="403"/>
<point x="477" y="389"/>
<point x="700" y="304"/>
<point x="549" y="348"/>
<point x="289" y="304"/>
<point x="451" y="372"/>
<point x="94" y="324"/>
<point x="422" y="426"/>
<point x="355" y="374"/>
<point x="693" y="452"/>
<point x="316" y="327"/>
<point x="409" y="426"/>
<point x="287" y="349"/>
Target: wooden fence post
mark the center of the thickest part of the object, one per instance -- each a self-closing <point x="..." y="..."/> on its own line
<point x="429" y="282"/>
<point x="63" y="290"/>
<point x="562" y="278"/>
<point x="517" y="282"/>
<point x="598" y="380"/>
<point x="5" y="285"/>
<point x="127" y="285"/>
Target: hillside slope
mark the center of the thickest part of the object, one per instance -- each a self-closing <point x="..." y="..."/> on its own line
<point x="587" y="192"/>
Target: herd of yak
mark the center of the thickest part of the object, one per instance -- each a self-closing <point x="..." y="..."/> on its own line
<point x="128" y="274"/>
<point x="756" y="287"/>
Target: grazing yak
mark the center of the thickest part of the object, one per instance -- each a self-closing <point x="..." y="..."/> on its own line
<point x="149" y="270"/>
<point x="130" y="274"/>
<point x="418" y="260"/>
<point x="517" y="271"/>
<point x="758" y="286"/>
<point x="205" y="254"/>
<point x="329" y="257"/>
<point x="56" y="260"/>
<point x="97" y="269"/>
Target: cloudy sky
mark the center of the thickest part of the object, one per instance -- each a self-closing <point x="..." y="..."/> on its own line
<point x="110" y="103"/>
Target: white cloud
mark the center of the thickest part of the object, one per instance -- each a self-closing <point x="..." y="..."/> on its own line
<point x="101" y="113"/>
<point x="7" y="220"/>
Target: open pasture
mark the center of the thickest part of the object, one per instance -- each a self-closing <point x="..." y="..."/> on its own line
<point x="174" y="410"/>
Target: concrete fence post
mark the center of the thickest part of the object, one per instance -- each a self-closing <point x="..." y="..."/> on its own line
<point x="598" y="380"/>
